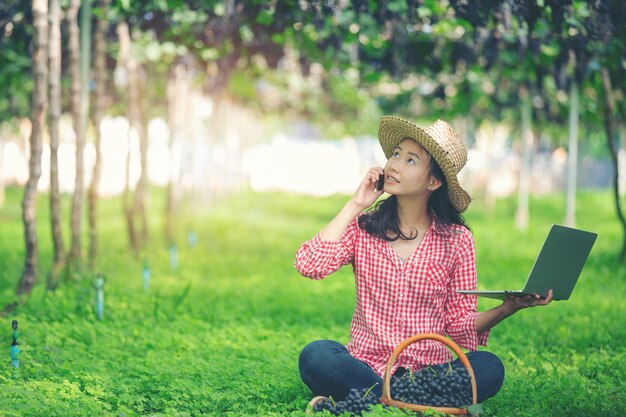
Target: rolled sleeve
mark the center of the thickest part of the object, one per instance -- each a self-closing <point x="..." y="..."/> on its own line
<point x="463" y="332"/>
<point x="318" y="258"/>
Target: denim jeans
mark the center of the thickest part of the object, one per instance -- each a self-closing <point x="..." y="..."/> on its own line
<point x="328" y="369"/>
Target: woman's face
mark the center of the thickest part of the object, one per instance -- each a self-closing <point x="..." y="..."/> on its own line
<point x="408" y="171"/>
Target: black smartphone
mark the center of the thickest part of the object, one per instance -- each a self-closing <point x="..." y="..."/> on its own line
<point x="381" y="182"/>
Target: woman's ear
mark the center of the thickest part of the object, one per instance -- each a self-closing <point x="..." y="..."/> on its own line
<point x="434" y="183"/>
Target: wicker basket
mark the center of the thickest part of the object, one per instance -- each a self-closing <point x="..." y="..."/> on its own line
<point x="386" y="397"/>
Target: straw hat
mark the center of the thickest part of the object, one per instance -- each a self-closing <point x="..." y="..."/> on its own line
<point x="440" y="140"/>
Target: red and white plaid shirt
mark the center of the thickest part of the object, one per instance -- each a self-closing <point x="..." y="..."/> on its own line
<point x="396" y="300"/>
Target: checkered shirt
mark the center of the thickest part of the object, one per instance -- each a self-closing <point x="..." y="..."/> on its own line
<point x="396" y="300"/>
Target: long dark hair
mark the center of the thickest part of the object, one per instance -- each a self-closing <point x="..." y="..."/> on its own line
<point x="383" y="221"/>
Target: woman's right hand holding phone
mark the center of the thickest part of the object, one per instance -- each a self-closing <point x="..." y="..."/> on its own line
<point x="367" y="193"/>
<point x="364" y="197"/>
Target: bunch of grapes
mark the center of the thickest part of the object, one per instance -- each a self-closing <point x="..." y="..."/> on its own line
<point x="434" y="386"/>
<point x="357" y="401"/>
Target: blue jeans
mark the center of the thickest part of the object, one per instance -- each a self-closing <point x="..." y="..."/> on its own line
<point x="328" y="369"/>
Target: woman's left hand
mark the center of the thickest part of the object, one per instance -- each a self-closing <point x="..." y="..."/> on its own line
<point x="487" y="319"/>
<point x="514" y="303"/>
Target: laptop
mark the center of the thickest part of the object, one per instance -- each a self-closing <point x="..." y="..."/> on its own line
<point x="557" y="266"/>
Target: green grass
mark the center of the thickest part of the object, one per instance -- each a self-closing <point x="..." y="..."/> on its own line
<point x="221" y="335"/>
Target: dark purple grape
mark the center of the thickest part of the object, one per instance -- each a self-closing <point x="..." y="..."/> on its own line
<point x="356" y="402"/>
<point x="436" y="386"/>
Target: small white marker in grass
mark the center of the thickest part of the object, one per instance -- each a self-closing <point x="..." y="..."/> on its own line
<point x="192" y="238"/>
<point x="173" y="256"/>
<point x="99" y="297"/>
<point x="15" y="350"/>
<point x="145" y="275"/>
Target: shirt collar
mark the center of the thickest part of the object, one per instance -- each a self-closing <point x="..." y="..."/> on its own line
<point x="438" y="227"/>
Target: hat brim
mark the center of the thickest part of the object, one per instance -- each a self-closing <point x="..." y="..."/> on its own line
<point x="393" y="130"/>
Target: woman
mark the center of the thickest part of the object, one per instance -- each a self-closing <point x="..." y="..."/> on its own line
<point x="410" y="255"/>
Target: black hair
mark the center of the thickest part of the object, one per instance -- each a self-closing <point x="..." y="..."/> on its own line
<point x="383" y="221"/>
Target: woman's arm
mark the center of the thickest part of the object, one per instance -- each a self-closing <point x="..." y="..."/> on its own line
<point x="364" y="197"/>
<point x="333" y="247"/>
<point x="487" y="319"/>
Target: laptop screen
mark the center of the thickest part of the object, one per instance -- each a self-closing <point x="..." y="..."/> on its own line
<point x="560" y="262"/>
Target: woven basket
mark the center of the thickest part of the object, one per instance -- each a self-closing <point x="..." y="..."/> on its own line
<point x="386" y="397"/>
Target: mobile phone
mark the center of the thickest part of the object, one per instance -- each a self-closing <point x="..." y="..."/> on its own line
<point x="381" y="182"/>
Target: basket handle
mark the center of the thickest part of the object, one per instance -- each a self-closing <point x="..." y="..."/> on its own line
<point x="386" y="397"/>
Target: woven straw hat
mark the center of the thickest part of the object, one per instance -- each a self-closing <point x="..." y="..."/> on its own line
<point x="440" y="140"/>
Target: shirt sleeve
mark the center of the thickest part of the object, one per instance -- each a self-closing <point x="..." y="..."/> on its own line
<point x="461" y="311"/>
<point x="318" y="258"/>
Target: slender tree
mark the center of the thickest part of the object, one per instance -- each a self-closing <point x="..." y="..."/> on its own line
<point x="527" y="146"/>
<point x="2" y="193"/>
<point x="136" y="117"/>
<point x="609" y="128"/>
<point x="572" y="157"/>
<point x="621" y="157"/>
<point x="100" y="72"/>
<point x="40" y="104"/>
<point x="177" y="98"/>
<point x="81" y="135"/>
<point x="54" y="116"/>
<point x="122" y="81"/>
<point x="75" y="82"/>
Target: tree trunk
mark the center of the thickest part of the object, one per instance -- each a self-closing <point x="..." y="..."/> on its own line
<point x="621" y="157"/>
<point x="40" y="103"/>
<point x="176" y="92"/>
<point x="137" y="120"/>
<point x="122" y="82"/>
<point x="100" y="104"/>
<point x="129" y="211"/>
<point x="55" y="114"/>
<point x="216" y="136"/>
<point x="522" y="215"/>
<point x="141" y="191"/>
<point x="74" y="65"/>
<point x="572" y="160"/>
<point x="609" y="108"/>
<point x="2" y="195"/>
<point x="85" y="69"/>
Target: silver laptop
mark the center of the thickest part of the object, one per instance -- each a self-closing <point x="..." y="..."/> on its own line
<point x="557" y="266"/>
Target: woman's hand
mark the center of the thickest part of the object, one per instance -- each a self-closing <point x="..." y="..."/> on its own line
<point x="364" y="197"/>
<point x="487" y="319"/>
<point x="367" y="193"/>
<point x="514" y="304"/>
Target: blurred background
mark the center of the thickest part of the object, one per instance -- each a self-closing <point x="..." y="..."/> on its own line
<point x="204" y="98"/>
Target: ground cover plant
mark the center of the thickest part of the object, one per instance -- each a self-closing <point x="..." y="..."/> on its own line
<point x="220" y="335"/>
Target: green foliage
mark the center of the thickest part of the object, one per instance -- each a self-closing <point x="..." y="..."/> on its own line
<point x="468" y="59"/>
<point x="15" y="59"/>
<point x="221" y="335"/>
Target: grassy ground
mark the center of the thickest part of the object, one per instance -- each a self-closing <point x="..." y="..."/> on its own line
<point x="221" y="334"/>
